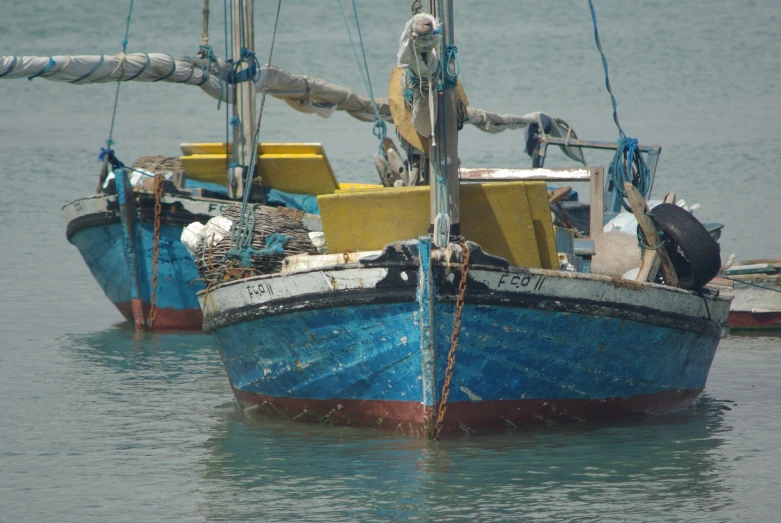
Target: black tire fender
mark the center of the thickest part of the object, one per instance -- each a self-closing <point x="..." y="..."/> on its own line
<point x="695" y="255"/>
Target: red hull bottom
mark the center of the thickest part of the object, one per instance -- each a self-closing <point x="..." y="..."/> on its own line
<point x="755" y="320"/>
<point x="166" y="319"/>
<point x="463" y="417"/>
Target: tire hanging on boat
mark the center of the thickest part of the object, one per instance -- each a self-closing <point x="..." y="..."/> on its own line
<point x="694" y="253"/>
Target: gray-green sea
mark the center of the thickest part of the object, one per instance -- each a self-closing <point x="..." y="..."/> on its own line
<point x="100" y="424"/>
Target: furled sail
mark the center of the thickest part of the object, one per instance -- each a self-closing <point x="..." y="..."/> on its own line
<point x="304" y="93"/>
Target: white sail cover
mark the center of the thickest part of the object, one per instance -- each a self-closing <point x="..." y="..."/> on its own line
<point x="418" y="53"/>
<point x="304" y="93"/>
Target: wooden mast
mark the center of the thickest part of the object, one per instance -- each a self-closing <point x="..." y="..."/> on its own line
<point x="244" y="104"/>
<point x="443" y="157"/>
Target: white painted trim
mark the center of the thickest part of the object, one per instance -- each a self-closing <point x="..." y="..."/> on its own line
<point x="551" y="284"/>
<point x="264" y="289"/>
<point x="600" y="289"/>
<point x="577" y="174"/>
<point x="99" y="204"/>
<point x="753" y="299"/>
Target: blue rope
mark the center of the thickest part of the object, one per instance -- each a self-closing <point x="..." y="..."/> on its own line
<point x="628" y="164"/>
<point x="140" y="71"/>
<point x="13" y="64"/>
<point x="749" y="283"/>
<point x="412" y="83"/>
<point x="604" y="65"/>
<point x="106" y="152"/>
<point x="241" y="236"/>
<point x="206" y="52"/>
<point x="206" y="73"/>
<point x="449" y="79"/>
<point x="95" y="68"/>
<point x="380" y="129"/>
<point x="110" y="139"/>
<point x="251" y="73"/>
<point x="173" y="70"/>
<point x="641" y="237"/>
<point x="192" y="68"/>
<point x="43" y="71"/>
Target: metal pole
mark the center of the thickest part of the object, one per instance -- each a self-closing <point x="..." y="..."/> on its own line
<point x="244" y="108"/>
<point x="443" y="157"/>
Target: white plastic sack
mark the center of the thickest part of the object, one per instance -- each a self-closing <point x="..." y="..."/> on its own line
<point x="192" y="236"/>
<point x="134" y="177"/>
<point x="626" y="221"/>
<point x="318" y="240"/>
<point x="216" y="229"/>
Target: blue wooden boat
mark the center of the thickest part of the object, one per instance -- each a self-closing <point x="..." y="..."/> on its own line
<point x="366" y="343"/>
<point x="455" y="308"/>
<point x="95" y="227"/>
<point x="115" y="230"/>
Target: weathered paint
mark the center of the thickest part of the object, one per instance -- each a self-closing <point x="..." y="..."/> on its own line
<point x="425" y="298"/>
<point x="577" y="174"/>
<point x="167" y="318"/>
<point x="535" y="345"/>
<point x="95" y="228"/>
<point x="512" y="219"/>
<point x="127" y="216"/>
<point x="755" y="307"/>
<point x="411" y="418"/>
<point x="296" y="168"/>
<point x="769" y="320"/>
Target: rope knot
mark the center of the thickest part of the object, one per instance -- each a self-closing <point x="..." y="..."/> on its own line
<point x="106" y="153"/>
<point x="450" y="78"/>
<point x="380" y="130"/>
<point x="251" y="73"/>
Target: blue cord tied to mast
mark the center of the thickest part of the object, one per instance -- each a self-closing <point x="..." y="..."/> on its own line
<point x="450" y="78"/>
<point x="628" y="164"/>
<point x="241" y="236"/>
<point x="108" y="153"/>
<point x="252" y="72"/>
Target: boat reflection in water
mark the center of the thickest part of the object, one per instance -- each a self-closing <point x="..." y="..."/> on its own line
<point x="667" y="465"/>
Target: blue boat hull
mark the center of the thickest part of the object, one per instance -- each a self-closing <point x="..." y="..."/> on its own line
<point x="95" y="228"/>
<point x="370" y="348"/>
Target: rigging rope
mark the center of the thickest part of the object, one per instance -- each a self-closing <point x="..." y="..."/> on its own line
<point x="749" y="283"/>
<point x="628" y="164"/>
<point x="205" y="33"/>
<point x="241" y="236"/>
<point x="110" y="139"/>
<point x="380" y="129"/>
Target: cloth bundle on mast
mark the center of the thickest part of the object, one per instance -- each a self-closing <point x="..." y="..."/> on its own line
<point x="301" y="92"/>
<point x="419" y="56"/>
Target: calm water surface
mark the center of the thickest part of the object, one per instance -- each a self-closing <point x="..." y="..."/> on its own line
<point x="98" y="423"/>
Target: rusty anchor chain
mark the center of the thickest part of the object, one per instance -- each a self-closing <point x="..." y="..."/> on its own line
<point x="451" y="355"/>
<point x="155" y="252"/>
